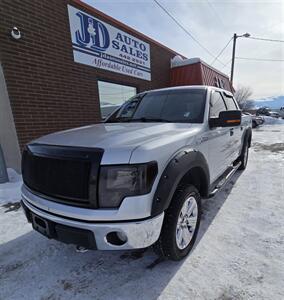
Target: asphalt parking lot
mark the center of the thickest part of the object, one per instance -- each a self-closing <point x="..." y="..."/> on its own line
<point x="239" y="253"/>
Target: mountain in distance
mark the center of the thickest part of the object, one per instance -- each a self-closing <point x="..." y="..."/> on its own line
<point x="272" y="102"/>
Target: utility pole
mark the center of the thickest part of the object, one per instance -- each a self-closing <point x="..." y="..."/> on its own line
<point x="233" y="57"/>
<point x="234" y="53"/>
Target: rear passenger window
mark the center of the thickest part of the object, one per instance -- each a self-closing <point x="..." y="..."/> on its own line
<point x="230" y="103"/>
<point x="216" y="104"/>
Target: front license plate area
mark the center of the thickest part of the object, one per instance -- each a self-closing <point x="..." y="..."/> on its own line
<point x="41" y="225"/>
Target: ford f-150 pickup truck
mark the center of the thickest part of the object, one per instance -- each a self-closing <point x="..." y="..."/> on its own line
<point x="137" y="179"/>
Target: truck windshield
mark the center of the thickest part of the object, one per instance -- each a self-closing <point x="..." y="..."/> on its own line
<point x="176" y="106"/>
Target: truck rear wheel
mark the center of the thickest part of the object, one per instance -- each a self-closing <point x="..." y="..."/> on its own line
<point x="181" y="224"/>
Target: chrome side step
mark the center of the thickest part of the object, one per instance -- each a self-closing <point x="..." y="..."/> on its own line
<point x="224" y="180"/>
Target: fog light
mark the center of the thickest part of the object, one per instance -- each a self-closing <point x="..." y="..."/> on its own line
<point x="116" y="238"/>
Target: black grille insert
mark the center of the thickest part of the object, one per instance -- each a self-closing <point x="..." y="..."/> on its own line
<point x="64" y="174"/>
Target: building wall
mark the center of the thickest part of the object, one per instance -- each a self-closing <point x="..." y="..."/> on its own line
<point x="8" y="136"/>
<point x="48" y="91"/>
<point x="199" y="73"/>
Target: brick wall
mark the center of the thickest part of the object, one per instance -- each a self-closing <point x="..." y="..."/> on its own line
<point x="48" y="91"/>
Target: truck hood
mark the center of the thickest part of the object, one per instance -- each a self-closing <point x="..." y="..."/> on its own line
<point x="118" y="139"/>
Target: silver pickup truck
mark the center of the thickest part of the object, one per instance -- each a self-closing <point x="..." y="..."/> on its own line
<point x="137" y="179"/>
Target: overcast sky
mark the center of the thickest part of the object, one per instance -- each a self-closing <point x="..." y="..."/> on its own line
<point x="213" y="23"/>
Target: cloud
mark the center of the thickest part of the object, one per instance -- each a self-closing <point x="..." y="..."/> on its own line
<point x="213" y="23"/>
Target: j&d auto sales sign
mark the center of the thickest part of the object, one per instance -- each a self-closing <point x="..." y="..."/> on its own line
<point x="103" y="46"/>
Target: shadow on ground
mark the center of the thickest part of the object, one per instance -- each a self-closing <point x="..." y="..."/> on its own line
<point x="32" y="267"/>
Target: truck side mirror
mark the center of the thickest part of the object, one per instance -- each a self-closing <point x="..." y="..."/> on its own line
<point x="227" y="118"/>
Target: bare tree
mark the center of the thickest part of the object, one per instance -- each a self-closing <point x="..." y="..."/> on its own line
<point x="242" y="94"/>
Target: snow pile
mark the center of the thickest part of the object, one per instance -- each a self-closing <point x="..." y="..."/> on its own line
<point x="11" y="191"/>
<point x="272" y="121"/>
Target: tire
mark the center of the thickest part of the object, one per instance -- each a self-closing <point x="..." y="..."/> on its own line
<point x="244" y="156"/>
<point x="169" y="244"/>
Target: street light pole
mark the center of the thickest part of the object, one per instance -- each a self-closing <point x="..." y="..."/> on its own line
<point x="234" y="53"/>
<point x="233" y="57"/>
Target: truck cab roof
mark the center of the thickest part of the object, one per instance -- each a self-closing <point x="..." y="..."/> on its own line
<point x="189" y="87"/>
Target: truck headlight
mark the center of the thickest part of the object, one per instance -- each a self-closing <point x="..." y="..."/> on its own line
<point x="119" y="181"/>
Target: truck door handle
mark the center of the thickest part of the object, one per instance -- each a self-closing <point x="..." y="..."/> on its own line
<point x="231" y="131"/>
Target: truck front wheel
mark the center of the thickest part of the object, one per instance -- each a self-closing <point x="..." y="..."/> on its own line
<point x="244" y="155"/>
<point x="181" y="224"/>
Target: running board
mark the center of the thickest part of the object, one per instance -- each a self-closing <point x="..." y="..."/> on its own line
<point x="224" y="180"/>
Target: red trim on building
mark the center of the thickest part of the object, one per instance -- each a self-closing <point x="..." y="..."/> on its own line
<point x="199" y="73"/>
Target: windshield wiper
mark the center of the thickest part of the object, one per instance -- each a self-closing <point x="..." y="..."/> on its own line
<point x="150" y="120"/>
<point x="127" y="120"/>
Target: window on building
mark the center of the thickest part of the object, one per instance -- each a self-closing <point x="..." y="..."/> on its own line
<point x="112" y="95"/>
<point x="217" y="104"/>
<point x="230" y="103"/>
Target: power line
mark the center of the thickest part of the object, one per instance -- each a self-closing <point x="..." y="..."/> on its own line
<point x="259" y="59"/>
<point x="215" y="12"/>
<point x="185" y="30"/>
<point x="265" y="39"/>
<point x="222" y="51"/>
<point x="226" y="64"/>
<point x="225" y="67"/>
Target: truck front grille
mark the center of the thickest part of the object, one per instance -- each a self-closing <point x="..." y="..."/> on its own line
<point x="63" y="174"/>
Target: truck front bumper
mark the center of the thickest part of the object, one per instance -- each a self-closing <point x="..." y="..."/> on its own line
<point x="101" y="235"/>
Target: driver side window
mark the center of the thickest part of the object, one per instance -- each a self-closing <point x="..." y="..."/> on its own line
<point x="217" y="104"/>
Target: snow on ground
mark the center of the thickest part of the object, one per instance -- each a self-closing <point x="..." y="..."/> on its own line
<point x="11" y="191"/>
<point x="239" y="252"/>
<point x="272" y="121"/>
